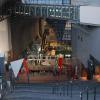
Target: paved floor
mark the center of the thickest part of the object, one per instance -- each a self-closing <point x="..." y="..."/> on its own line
<point x="53" y="91"/>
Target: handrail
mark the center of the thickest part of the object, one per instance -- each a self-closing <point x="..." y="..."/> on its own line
<point x="64" y="90"/>
<point x="87" y="92"/>
<point x="70" y="88"/>
<point x="57" y="88"/>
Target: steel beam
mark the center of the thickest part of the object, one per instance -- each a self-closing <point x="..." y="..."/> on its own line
<point x="67" y="12"/>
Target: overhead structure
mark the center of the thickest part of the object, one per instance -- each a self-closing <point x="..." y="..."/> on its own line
<point x="66" y="12"/>
<point x="53" y="2"/>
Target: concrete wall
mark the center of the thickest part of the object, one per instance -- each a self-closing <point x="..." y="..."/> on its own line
<point x="86" y="42"/>
<point x="5" y="40"/>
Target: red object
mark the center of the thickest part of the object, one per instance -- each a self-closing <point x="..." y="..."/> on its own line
<point x="25" y="65"/>
<point x="60" y="62"/>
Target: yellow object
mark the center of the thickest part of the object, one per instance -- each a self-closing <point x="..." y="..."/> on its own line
<point x="53" y="44"/>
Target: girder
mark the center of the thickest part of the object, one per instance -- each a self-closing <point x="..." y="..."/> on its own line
<point x="66" y="12"/>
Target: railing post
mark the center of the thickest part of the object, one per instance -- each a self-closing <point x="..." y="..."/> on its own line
<point x="63" y="90"/>
<point x="81" y="95"/>
<point x="71" y="88"/>
<point x="95" y="93"/>
<point x="53" y="90"/>
<point x="57" y="89"/>
<point x="87" y="94"/>
<point x="67" y="88"/>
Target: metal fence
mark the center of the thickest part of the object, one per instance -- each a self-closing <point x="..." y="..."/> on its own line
<point x="91" y="93"/>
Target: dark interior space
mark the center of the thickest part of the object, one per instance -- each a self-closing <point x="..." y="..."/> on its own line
<point x="22" y="32"/>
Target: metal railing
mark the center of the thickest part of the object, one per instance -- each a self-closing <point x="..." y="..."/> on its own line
<point x="60" y="89"/>
<point x="63" y="89"/>
<point x="91" y="93"/>
<point x="4" y="87"/>
<point x="90" y="90"/>
<point x="54" y="89"/>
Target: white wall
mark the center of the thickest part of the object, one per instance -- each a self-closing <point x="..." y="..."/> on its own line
<point x="5" y="44"/>
<point x="90" y="15"/>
